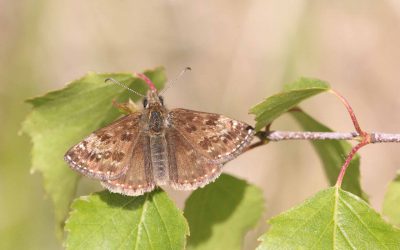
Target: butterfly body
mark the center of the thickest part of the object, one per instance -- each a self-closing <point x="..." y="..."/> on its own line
<point x="181" y="148"/>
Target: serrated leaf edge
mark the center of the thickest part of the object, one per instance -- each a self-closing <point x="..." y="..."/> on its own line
<point x="282" y="93"/>
<point x="337" y="190"/>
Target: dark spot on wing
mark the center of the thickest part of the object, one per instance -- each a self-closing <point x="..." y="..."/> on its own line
<point x="205" y="143"/>
<point x="127" y="136"/>
<point x="71" y="154"/>
<point x="105" y="137"/>
<point x="190" y="128"/>
<point x="211" y="122"/>
<point x="92" y="156"/>
<point x="118" y="156"/>
<point x="214" y="138"/>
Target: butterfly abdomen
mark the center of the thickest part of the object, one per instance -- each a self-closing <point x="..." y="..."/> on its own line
<point x="159" y="158"/>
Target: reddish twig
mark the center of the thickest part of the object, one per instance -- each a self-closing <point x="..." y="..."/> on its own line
<point x="350" y="111"/>
<point x="349" y="157"/>
<point x="362" y="136"/>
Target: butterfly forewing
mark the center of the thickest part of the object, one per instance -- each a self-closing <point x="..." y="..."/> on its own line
<point x="105" y="154"/>
<point x="215" y="137"/>
<point x="188" y="169"/>
<point x="138" y="179"/>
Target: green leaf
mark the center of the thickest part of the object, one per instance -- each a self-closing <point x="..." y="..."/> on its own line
<point x="62" y="118"/>
<point x="109" y="221"/>
<point x="332" y="219"/>
<point x="332" y="154"/>
<point x="221" y="213"/>
<point x="293" y="94"/>
<point x="391" y="203"/>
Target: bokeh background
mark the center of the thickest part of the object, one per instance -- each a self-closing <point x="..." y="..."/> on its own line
<point x="240" y="52"/>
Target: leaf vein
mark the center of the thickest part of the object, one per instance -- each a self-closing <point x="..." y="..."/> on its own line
<point x="101" y="225"/>
<point x="141" y="221"/>
<point x="360" y="220"/>
<point x="163" y="223"/>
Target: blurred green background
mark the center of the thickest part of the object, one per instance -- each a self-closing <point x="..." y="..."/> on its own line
<point x="240" y="52"/>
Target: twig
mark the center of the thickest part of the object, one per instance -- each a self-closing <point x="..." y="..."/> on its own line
<point x="350" y="110"/>
<point x="305" y="135"/>
<point x="384" y="137"/>
<point x="360" y="135"/>
<point x="348" y="160"/>
<point x="275" y="136"/>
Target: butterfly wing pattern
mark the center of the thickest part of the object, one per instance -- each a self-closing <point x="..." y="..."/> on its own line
<point x="182" y="148"/>
<point x="105" y="154"/>
<point x="200" y="143"/>
<point x="138" y="179"/>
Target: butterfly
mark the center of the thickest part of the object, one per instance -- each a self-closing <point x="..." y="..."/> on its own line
<point x="181" y="148"/>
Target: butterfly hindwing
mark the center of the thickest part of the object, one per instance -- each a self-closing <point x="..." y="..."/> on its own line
<point x="105" y="153"/>
<point x="138" y="179"/>
<point x="216" y="137"/>
<point x="188" y="169"/>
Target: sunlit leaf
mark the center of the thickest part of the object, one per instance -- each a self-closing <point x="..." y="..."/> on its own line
<point x="221" y="213"/>
<point x="62" y="118"/>
<point x="112" y="221"/>
<point x="332" y="219"/>
<point x="293" y="94"/>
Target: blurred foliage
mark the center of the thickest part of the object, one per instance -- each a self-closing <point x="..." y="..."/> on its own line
<point x="24" y="210"/>
<point x="45" y="43"/>
<point x="221" y="213"/>
<point x="391" y="203"/>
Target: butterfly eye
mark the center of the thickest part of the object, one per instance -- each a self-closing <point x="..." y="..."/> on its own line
<point x="161" y="100"/>
<point x="145" y="102"/>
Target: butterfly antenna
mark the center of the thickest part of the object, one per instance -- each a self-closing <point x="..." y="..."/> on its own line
<point x="123" y="86"/>
<point x="169" y="84"/>
<point x="147" y="80"/>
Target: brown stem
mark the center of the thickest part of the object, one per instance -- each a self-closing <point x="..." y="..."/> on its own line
<point x="350" y="111"/>
<point x="349" y="158"/>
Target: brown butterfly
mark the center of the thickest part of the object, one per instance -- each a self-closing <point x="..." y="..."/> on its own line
<point x="181" y="148"/>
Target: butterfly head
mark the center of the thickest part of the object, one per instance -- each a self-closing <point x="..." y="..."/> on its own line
<point x="153" y="99"/>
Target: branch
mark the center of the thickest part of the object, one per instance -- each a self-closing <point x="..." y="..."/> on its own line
<point x="384" y="137"/>
<point x="305" y="135"/>
<point x="363" y="137"/>
<point x="375" y="137"/>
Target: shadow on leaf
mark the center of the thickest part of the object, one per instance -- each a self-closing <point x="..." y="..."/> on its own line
<point x="212" y="205"/>
<point x="127" y="202"/>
